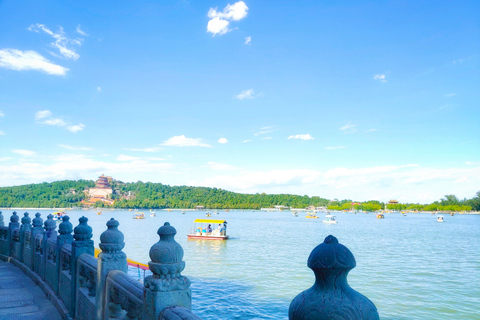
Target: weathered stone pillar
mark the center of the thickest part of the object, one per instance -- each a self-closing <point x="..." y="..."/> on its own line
<point x="37" y="223"/>
<point x="82" y="243"/>
<point x="331" y="297"/>
<point x="2" y="224"/>
<point x="111" y="258"/>
<point x="65" y="230"/>
<point x="12" y="227"/>
<point x="26" y="221"/>
<point x="166" y="287"/>
<point x="50" y="225"/>
<point x="25" y="227"/>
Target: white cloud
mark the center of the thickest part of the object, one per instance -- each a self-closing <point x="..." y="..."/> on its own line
<point x="126" y="158"/>
<point x="245" y="94"/>
<point x="76" y="128"/>
<point x="349" y="128"/>
<point x="2" y="133"/>
<point x="99" y="89"/>
<point x="182" y="141"/>
<point x="26" y="153"/>
<point x="151" y="149"/>
<point x="302" y="137"/>
<point x="2" y="114"/>
<point x="380" y="77"/>
<point x="409" y="182"/>
<point x="248" y="40"/>
<point x="55" y="122"/>
<point x="334" y="148"/>
<point x="450" y="95"/>
<point x="74" y="167"/>
<point x="61" y="40"/>
<point x="80" y="31"/>
<point x="222" y="140"/>
<point x="221" y="166"/>
<point x="263" y="132"/>
<point x="75" y="148"/>
<point x="29" y="60"/>
<point x="219" y="21"/>
<point x="218" y="26"/>
<point x="245" y="141"/>
<point x="267" y="138"/>
<point x="472" y="163"/>
<point x="371" y="130"/>
<point x="43" y="114"/>
<point x="5" y="158"/>
<point x="236" y="11"/>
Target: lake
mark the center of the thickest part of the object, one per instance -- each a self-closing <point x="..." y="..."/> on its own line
<point x="411" y="267"/>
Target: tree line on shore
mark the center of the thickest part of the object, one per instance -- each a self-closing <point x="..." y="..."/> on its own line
<point x="70" y="193"/>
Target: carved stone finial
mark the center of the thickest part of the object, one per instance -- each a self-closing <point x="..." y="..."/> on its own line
<point x="111" y="240"/>
<point x="83" y="231"/>
<point x="1" y="219"/>
<point x="166" y="264"/>
<point x="26" y="219"/>
<point x="50" y="224"/>
<point x="66" y="226"/>
<point x="37" y="221"/>
<point x="14" y="218"/>
<point x="331" y="297"/>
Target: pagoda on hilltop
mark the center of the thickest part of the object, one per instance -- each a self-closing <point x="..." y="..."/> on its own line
<point x="101" y="192"/>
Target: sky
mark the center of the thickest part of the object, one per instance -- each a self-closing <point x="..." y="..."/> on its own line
<point x="361" y="100"/>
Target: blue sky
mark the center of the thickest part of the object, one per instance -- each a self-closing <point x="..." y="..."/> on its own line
<point x="350" y="100"/>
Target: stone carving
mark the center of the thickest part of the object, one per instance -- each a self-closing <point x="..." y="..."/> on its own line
<point x="50" y="225"/>
<point x="14" y="218"/>
<point x="331" y="297"/>
<point x="1" y="220"/>
<point x="166" y="287"/>
<point x="65" y="228"/>
<point x="66" y="258"/>
<point x="166" y="264"/>
<point x="37" y="222"/>
<point x="82" y="232"/>
<point x="26" y="221"/>
<point x="125" y="294"/>
<point x="16" y="235"/>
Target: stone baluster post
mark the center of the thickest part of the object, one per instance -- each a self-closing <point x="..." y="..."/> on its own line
<point x="50" y="233"/>
<point x="166" y="287"/>
<point x="26" y="226"/>
<point x="12" y="226"/>
<point x="37" y="228"/>
<point x="65" y="236"/>
<point x="331" y="297"/>
<point x="2" y="224"/>
<point x="111" y="258"/>
<point x="82" y="243"/>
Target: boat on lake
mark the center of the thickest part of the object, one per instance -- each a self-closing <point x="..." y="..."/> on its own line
<point x="57" y="216"/>
<point x="99" y="212"/>
<point x="380" y="216"/>
<point x="208" y="229"/>
<point x="330" y="219"/>
<point x="152" y="213"/>
<point x="440" y="219"/>
<point x="139" y="215"/>
<point x="311" y="215"/>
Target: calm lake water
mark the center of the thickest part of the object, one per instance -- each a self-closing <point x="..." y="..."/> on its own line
<point x="411" y="267"/>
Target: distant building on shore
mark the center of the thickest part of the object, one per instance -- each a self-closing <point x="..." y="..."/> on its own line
<point x="101" y="192"/>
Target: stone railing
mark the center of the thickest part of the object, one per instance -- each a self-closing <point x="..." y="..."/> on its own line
<point x="84" y="287"/>
<point x="88" y="288"/>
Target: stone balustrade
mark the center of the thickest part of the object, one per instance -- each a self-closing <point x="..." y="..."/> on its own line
<point x="87" y="288"/>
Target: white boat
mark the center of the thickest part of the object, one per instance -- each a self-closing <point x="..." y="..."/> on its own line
<point x="330" y="219"/>
<point x="440" y="219"/>
<point x="208" y="229"/>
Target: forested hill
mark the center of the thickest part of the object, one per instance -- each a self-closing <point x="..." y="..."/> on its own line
<point x="68" y="193"/>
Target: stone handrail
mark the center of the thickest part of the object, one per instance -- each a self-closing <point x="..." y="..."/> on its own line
<point x="84" y="287"/>
<point x="87" y="288"/>
<point x="124" y="295"/>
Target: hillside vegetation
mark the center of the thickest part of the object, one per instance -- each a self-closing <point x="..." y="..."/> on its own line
<point x="69" y="193"/>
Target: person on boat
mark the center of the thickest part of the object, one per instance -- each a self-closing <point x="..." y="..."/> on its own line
<point x="225" y="226"/>
<point x="209" y="229"/>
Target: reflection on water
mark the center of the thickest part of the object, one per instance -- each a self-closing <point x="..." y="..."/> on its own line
<point x="410" y="267"/>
